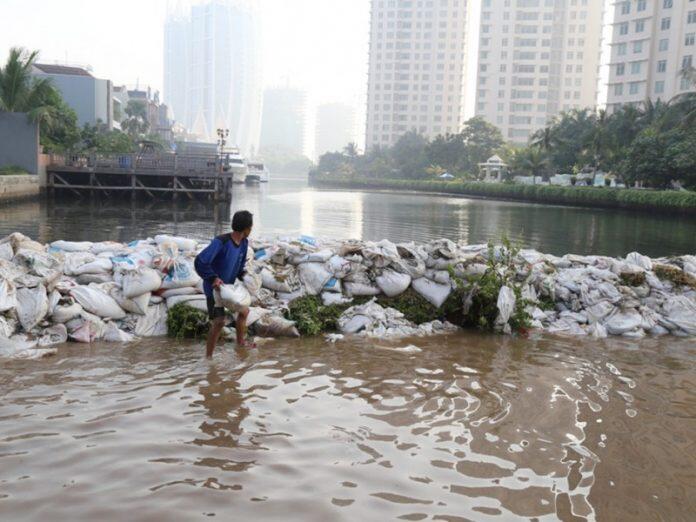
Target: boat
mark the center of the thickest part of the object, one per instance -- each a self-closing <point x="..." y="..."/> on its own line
<point x="258" y="173"/>
<point x="235" y="163"/>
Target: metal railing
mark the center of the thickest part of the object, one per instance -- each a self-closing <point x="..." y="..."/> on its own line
<point x="165" y="163"/>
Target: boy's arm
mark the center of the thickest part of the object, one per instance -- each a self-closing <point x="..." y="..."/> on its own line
<point x="205" y="259"/>
<point x="242" y="266"/>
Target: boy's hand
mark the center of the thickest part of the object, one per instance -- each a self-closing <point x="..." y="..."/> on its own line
<point x="217" y="283"/>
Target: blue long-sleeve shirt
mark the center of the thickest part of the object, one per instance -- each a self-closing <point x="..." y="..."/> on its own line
<point x="223" y="259"/>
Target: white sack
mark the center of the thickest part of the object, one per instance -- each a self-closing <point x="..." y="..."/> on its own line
<point x="86" y="328"/>
<point x="153" y="323"/>
<point x="6" y="251"/>
<point x="506" y="304"/>
<point x="681" y="312"/>
<point x="174" y="300"/>
<point x="140" y="281"/>
<point x="233" y="297"/>
<point x="87" y="279"/>
<point x="623" y="322"/>
<point x="253" y="282"/>
<point x="72" y="246"/>
<point x="639" y="260"/>
<point x="56" y="334"/>
<point x="180" y="275"/>
<point x="99" y="266"/>
<point x="113" y="334"/>
<point x="314" y="277"/>
<point x="21" y="348"/>
<point x="361" y="289"/>
<point x="180" y="291"/>
<point x="64" y="313"/>
<point x="331" y="298"/>
<point x="435" y="293"/>
<point x="339" y="267"/>
<point x="32" y="306"/>
<point x="393" y="283"/>
<point x="8" y="295"/>
<point x="135" y="305"/>
<point x="97" y="302"/>
<point x="182" y="242"/>
<point x="275" y="326"/>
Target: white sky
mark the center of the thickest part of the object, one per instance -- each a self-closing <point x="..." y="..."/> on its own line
<point x="318" y="45"/>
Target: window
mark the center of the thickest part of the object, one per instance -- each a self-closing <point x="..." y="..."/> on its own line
<point x="621" y="49"/>
<point x="635" y="68"/>
<point x="620" y="68"/>
<point x="691" y="18"/>
<point x="664" y="44"/>
<point x="633" y="87"/>
<point x="667" y="4"/>
<point x="690" y="38"/>
<point x="685" y="84"/>
<point x="640" y="26"/>
<point x="641" y="5"/>
<point x="659" y="87"/>
<point x="686" y="61"/>
<point x="662" y="66"/>
<point x="623" y="28"/>
<point x="618" y="89"/>
<point x="638" y="46"/>
<point x="625" y="8"/>
<point x="666" y="24"/>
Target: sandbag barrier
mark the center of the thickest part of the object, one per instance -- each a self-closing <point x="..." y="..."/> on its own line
<point x="85" y="291"/>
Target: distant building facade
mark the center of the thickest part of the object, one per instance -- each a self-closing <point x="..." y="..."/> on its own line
<point x="417" y="68"/>
<point x="335" y="127"/>
<point x="212" y="71"/>
<point x="89" y="97"/>
<point x="283" y="123"/>
<point x="536" y="58"/>
<point x="652" y="42"/>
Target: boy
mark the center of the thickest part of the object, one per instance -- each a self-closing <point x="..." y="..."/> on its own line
<point x="222" y="262"/>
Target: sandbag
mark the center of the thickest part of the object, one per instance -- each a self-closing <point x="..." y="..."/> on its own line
<point x="113" y="334"/>
<point x="72" y="246"/>
<point x="140" y="258"/>
<point x="280" y="280"/>
<point x="393" y="283"/>
<point x="8" y="326"/>
<point x="187" y="290"/>
<point x="8" y="295"/>
<point x="181" y="274"/>
<point x="140" y="281"/>
<point x="233" y="297"/>
<point x="6" y="251"/>
<point x="87" y="279"/>
<point x="361" y="289"/>
<point x="680" y="311"/>
<point x="639" y="260"/>
<point x="435" y="293"/>
<point x="32" y="306"/>
<point x="623" y="322"/>
<point x="253" y="282"/>
<point x="506" y="304"/>
<point x="183" y="243"/>
<point x="135" y="305"/>
<point x="73" y="262"/>
<point x="65" y="313"/>
<point x="106" y="246"/>
<point x="339" y="267"/>
<point x="97" y="302"/>
<point x="275" y="326"/>
<point x="86" y="328"/>
<point x="153" y="323"/>
<point x="20" y="241"/>
<point x="56" y="334"/>
<point x="331" y="298"/>
<point x="314" y="277"/>
<point x="100" y="265"/>
<point x="22" y="348"/>
<point x="174" y="300"/>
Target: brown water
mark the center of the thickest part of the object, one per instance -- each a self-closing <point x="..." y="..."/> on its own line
<point x="472" y="428"/>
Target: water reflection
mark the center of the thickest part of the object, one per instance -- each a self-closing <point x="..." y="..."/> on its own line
<point x="289" y="207"/>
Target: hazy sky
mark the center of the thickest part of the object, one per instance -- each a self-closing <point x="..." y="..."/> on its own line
<point x="318" y="45"/>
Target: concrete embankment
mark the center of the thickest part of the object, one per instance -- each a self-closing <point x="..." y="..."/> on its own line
<point x="18" y="187"/>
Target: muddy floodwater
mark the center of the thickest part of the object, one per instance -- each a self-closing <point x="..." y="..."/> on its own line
<point x="473" y="427"/>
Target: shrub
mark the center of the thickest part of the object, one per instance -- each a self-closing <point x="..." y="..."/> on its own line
<point x="186" y="322"/>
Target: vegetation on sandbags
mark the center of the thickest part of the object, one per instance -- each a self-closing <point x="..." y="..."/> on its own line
<point x="186" y="322"/>
<point x="675" y="275"/>
<point x="633" y="279"/>
<point x="312" y="317"/>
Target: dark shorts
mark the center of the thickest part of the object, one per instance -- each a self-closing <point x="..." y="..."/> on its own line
<point x="214" y="311"/>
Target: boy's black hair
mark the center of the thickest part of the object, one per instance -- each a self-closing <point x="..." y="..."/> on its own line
<point x="242" y="220"/>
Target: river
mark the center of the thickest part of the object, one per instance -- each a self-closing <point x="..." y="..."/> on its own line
<point x="472" y="427"/>
<point x="289" y="206"/>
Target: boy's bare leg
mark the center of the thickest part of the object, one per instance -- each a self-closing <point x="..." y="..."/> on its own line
<point x="241" y="328"/>
<point x="216" y="327"/>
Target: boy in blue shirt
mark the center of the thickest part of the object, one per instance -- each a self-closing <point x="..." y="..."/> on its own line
<point x="222" y="262"/>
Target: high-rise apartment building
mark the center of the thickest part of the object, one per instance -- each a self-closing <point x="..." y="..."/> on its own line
<point x="536" y="58"/>
<point x="212" y="71"/>
<point x="283" y="120"/>
<point x="335" y="127"/>
<point x="652" y="42"/>
<point x="417" y="68"/>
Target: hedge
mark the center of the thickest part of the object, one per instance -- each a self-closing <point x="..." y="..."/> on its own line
<point x="602" y="197"/>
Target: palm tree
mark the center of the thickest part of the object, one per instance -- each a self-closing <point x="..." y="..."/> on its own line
<point x="137" y="123"/>
<point x="684" y="105"/>
<point x="20" y="92"/>
<point x="544" y="138"/>
<point x="351" y="150"/>
<point x="532" y="161"/>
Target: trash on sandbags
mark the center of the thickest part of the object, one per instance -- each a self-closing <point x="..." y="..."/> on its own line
<point x="393" y="283"/>
<point x="314" y="277"/>
<point x="280" y="279"/>
<point x="435" y="293"/>
<point x="506" y="305"/>
<point x="139" y="281"/>
<point x="8" y="295"/>
<point x="113" y="334"/>
<point x="56" y="334"/>
<point x="233" y="297"/>
<point x="96" y="301"/>
<point x="19" y="347"/>
<point x="622" y="322"/>
<point x="135" y="305"/>
<point x="32" y="306"/>
<point x="153" y="323"/>
<point x="272" y="325"/>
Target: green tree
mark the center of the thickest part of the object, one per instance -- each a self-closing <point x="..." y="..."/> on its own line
<point x="531" y="161"/>
<point x="410" y="155"/>
<point x="481" y="140"/>
<point x="136" y="124"/>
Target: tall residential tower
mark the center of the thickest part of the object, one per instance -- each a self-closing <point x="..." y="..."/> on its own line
<point x="652" y="42"/>
<point x="417" y="68"/>
<point x="536" y="58"/>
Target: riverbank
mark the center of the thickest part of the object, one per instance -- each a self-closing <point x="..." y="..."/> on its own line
<point x="673" y="202"/>
<point x="18" y="187"/>
<point x="117" y="292"/>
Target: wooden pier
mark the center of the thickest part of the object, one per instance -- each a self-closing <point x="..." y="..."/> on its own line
<point x="153" y="175"/>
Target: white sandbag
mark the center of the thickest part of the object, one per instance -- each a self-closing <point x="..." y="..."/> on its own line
<point x="412" y="260"/>
<point x="188" y="290"/>
<point x="598" y="312"/>
<point x="72" y="246"/>
<point x="435" y="293"/>
<point x="113" y="334"/>
<point x="639" y="260"/>
<point x="65" y="313"/>
<point x="32" y="306"/>
<point x="87" y="279"/>
<point x="135" y="305"/>
<point x="20" y="241"/>
<point x="174" y="300"/>
<point x="331" y="298"/>
<point x="506" y="304"/>
<point x="291" y="296"/>
<point x="8" y="295"/>
<point x="140" y="281"/>
<point x="181" y="274"/>
<point x="333" y="285"/>
<point x="284" y="280"/>
<point x="356" y="324"/>
<point x="133" y="260"/>
<point x="86" y="328"/>
<point x="97" y="302"/>
<point x="233" y="297"/>
<point x="198" y="304"/>
<point x="623" y="322"/>
<point x="155" y="299"/>
<point x="182" y="242"/>
<point x="56" y="334"/>
<point x="680" y="311"/>
<point x="100" y="265"/>
<point x="53" y="299"/>
<point x="256" y="313"/>
<point x="73" y="262"/>
<point x="153" y="323"/>
<point x="361" y="289"/>
<point x="6" y="251"/>
<point x="8" y="326"/>
<point x="106" y="246"/>
<point x="253" y="282"/>
<point x="314" y="277"/>
<point x="393" y="283"/>
<point x="39" y="263"/>
<point x="275" y="326"/>
<point x="339" y="267"/>
<point x="22" y="348"/>
<point x="597" y="330"/>
<point x="439" y="276"/>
